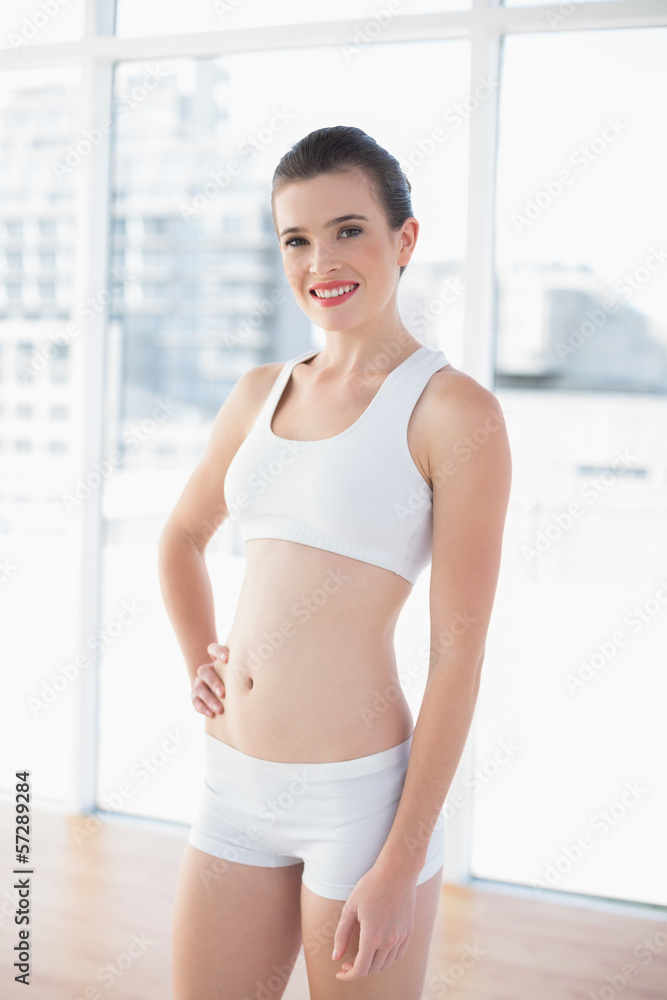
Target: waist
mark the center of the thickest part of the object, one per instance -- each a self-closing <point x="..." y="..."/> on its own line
<point x="311" y="657"/>
<point x="349" y="767"/>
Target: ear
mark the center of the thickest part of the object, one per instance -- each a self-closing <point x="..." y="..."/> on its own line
<point x="407" y="240"/>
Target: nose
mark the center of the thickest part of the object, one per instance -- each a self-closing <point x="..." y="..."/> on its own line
<point x="323" y="258"/>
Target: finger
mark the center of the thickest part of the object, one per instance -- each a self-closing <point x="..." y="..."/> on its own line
<point x="201" y="706"/>
<point x="362" y="962"/>
<point x="210" y="676"/>
<point x="403" y="948"/>
<point x="390" y="959"/>
<point x="217" y="650"/>
<point x="342" y="936"/>
<point x="208" y="697"/>
<point x="201" y="689"/>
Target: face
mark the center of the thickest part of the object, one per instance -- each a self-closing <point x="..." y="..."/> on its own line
<point x="335" y="236"/>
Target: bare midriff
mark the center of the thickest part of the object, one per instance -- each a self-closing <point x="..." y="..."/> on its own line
<point x="311" y="657"/>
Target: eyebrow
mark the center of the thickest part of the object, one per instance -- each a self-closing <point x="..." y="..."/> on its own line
<point x="327" y="225"/>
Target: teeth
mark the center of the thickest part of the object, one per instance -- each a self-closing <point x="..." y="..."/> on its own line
<point x="326" y="293"/>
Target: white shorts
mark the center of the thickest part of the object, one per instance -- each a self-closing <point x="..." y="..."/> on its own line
<point x="335" y="816"/>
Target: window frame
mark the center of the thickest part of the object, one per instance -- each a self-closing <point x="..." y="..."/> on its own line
<point x="484" y="24"/>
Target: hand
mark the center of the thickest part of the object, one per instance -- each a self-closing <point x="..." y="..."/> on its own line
<point x="207" y="683"/>
<point x="384" y="907"/>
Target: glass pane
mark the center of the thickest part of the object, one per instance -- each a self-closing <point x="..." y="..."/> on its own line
<point x="39" y="431"/>
<point x="200" y="297"/>
<point x="579" y="802"/>
<point x="140" y="17"/>
<point x="23" y="22"/>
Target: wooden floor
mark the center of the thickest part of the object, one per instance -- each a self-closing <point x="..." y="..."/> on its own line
<point x="92" y="900"/>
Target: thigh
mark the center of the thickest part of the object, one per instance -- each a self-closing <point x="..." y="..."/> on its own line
<point x="236" y="928"/>
<point x="404" y="980"/>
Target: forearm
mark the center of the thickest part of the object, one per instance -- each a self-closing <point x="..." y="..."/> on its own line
<point x="188" y="597"/>
<point x="438" y="742"/>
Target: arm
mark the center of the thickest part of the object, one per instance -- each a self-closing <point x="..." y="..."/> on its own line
<point x="199" y="511"/>
<point x="470" y="467"/>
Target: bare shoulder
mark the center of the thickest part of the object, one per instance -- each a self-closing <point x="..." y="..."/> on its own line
<point x="455" y="414"/>
<point x="453" y="399"/>
<point x="258" y="380"/>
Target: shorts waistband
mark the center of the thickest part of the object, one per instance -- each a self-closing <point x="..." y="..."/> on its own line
<point x="369" y="764"/>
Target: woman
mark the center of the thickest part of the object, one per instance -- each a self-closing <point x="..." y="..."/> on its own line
<point x="346" y="470"/>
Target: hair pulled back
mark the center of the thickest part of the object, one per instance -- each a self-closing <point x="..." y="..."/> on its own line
<point x="345" y="147"/>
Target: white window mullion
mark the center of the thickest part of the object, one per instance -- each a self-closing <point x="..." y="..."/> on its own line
<point x="90" y="280"/>
<point x="478" y="340"/>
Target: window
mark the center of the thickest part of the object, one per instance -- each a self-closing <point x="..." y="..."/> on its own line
<point x="582" y="378"/>
<point x="201" y="240"/>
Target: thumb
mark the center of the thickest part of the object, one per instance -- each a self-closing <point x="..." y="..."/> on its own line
<point x="215" y="649"/>
<point x="342" y="935"/>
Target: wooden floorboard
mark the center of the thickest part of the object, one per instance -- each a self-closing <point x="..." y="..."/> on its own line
<point x="92" y="899"/>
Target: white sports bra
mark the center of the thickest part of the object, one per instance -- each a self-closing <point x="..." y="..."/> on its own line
<point x="358" y="493"/>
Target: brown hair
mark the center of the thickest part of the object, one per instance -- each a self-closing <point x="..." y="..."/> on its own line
<point x="345" y="147"/>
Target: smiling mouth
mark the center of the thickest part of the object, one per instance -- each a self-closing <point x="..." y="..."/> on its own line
<point x="332" y="296"/>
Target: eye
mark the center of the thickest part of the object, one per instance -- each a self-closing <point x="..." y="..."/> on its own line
<point x="299" y="240"/>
